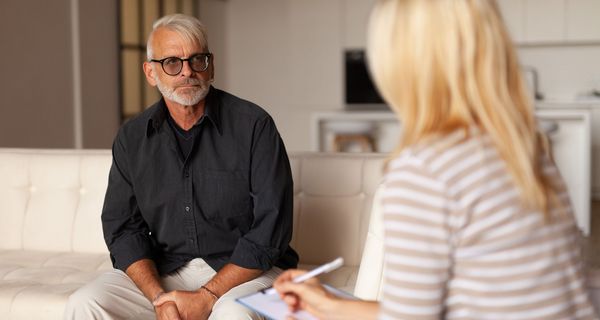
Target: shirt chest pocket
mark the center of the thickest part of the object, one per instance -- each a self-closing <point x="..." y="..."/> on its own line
<point x="223" y="194"/>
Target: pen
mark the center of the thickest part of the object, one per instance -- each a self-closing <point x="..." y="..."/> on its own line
<point x="328" y="267"/>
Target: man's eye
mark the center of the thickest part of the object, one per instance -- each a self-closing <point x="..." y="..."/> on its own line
<point x="171" y="61"/>
<point x="197" y="58"/>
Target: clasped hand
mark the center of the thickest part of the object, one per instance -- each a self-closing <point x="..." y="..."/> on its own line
<point x="189" y="305"/>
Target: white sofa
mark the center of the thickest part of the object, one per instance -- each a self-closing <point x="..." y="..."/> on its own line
<point x="51" y="239"/>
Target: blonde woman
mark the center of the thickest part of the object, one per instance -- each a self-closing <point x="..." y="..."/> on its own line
<point x="478" y="220"/>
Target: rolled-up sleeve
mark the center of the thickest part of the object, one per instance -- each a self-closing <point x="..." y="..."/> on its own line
<point x="125" y="231"/>
<point x="271" y="189"/>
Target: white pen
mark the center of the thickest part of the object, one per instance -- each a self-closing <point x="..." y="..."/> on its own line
<point x="328" y="267"/>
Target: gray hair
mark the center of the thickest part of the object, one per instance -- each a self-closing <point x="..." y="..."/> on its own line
<point x="189" y="27"/>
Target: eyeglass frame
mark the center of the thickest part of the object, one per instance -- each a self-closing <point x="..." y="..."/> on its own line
<point x="207" y="56"/>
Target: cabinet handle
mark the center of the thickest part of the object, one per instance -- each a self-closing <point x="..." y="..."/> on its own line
<point x="548" y="127"/>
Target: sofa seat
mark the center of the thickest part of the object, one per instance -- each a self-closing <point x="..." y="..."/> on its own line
<point x="52" y="267"/>
<point x="35" y="283"/>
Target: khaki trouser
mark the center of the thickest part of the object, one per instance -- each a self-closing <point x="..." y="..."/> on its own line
<point x="114" y="296"/>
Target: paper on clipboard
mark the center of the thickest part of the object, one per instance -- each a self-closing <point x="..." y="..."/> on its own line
<point x="272" y="307"/>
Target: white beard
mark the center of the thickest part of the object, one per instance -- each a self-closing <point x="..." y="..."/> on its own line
<point x="190" y="99"/>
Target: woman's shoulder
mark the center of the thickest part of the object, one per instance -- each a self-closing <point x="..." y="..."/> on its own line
<point x="442" y="156"/>
<point x="440" y="146"/>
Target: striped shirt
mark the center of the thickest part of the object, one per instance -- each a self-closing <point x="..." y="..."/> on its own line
<point x="460" y="244"/>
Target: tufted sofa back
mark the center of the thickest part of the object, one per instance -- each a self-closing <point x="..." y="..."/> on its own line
<point x="333" y="195"/>
<point x="51" y="200"/>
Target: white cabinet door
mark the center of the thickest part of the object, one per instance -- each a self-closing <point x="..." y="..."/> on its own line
<point x="571" y="148"/>
<point x="596" y="152"/>
<point x="583" y="20"/>
<point x="544" y="20"/>
<point x="513" y="13"/>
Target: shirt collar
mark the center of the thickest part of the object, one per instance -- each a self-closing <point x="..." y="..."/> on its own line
<point x="211" y="111"/>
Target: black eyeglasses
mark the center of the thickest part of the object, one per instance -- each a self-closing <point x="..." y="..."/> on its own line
<point x="173" y="65"/>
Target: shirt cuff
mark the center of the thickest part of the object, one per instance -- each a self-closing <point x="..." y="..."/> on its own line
<point x="249" y="255"/>
<point x="129" y="249"/>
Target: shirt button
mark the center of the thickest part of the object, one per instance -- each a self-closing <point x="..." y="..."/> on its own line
<point x="187" y="209"/>
<point x="186" y="174"/>
<point x="191" y="240"/>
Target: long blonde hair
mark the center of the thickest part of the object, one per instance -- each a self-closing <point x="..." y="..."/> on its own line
<point x="448" y="64"/>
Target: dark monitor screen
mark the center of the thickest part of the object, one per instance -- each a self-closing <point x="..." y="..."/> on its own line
<point x="359" y="87"/>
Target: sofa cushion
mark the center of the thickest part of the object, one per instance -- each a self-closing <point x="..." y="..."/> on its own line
<point x="37" y="284"/>
<point x="23" y="300"/>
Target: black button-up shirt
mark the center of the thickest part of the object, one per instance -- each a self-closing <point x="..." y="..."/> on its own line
<point x="229" y="201"/>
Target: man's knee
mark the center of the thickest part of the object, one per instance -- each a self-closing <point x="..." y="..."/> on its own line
<point x="230" y="309"/>
<point x="82" y="304"/>
<point x="110" y="296"/>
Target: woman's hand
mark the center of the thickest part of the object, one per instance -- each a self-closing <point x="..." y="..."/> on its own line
<point x="310" y="295"/>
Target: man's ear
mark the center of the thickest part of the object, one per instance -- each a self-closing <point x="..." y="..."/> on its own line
<point x="149" y="72"/>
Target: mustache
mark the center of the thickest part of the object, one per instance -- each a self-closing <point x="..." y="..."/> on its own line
<point x="190" y="82"/>
<point x="194" y="82"/>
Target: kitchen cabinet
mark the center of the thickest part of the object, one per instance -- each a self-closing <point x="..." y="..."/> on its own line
<point x="385" y="132"/>
<point x="596" y="152"/>
<point x="552" y="22"/>
<point x="513" y="12"/>
<point x="583" y="20"/>
<point x="571" y="149"/>
<point x="544" y="21"/>
<point x="593" y="105"/>
<point x="571" y="144"/>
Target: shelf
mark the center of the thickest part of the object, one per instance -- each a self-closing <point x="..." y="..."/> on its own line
<point x="557" y="44"/>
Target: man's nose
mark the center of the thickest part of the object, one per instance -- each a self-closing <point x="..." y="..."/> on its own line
<point x="186" y="69"/>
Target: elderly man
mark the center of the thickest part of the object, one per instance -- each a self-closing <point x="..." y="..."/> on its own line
<point x="198" y="209"/>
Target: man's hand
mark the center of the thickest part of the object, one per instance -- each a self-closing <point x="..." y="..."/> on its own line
<point x="167" y="311"/>
<point x="190" y="304"/>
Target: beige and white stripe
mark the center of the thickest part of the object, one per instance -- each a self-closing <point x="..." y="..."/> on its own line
<point x="461" y="245"/>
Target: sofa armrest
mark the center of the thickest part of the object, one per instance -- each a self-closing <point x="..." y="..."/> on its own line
<point x="369" y="284"/>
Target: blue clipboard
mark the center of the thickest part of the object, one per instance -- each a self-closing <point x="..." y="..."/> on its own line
<point x="272" y="307"/>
